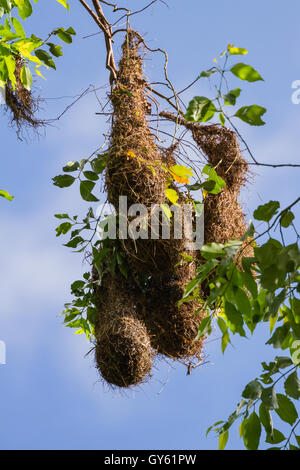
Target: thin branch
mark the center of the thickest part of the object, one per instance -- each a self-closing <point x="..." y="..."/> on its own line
<point x="105" y="27"/>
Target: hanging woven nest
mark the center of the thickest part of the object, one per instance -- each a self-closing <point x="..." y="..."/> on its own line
<point x="21" y="102"/>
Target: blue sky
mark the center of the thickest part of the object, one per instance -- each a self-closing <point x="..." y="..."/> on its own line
<point x="50" y="395"/>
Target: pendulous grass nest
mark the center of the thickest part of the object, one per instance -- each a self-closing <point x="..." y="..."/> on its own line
<point x="123" y="351"/>
<point x="21" y="102"/>
<point x="173" y="329"/>
<point x="142" y="315"/>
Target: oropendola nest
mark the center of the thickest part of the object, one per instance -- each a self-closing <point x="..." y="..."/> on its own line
<point x="123" y="350"/>
<point x="21" y="102"/>
<point x="173" y="328"/>
<point x="137" y="319"/>
<point x="134" y="163"/>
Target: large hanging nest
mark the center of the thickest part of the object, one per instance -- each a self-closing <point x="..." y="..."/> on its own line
<point x="134" y="163"/>
<point x="136" y="168"/>
<point x="21" y="102"/>
<point x="173" y="328"/>
<point x="142" y="315"/>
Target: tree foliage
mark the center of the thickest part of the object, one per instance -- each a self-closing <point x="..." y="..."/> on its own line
<point x="243" y="292"/>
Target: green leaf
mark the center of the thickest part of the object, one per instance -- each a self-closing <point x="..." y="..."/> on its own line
<point x="6" y="195"/>
<point x="6" y="4"/>
<point x="64" y="35"/>
<point x="99" y="164"/>
<point x="225" y="341"/>
<point x="18" y="27"/>
<point x="71" y="166"/>
<point x="213" y="177"/>
<point x="45" y="57"/>
<point x="242" y="302"/>
<point x="251" y="114"/>
<point x="200" y="109"/>
<point x="245" y="72"/>
<point x="62" y="216"/>
<point x="250" y="283"/>
<point x="63" y="181"/>
<point x="286" y="409"/>
<point x="295" y="352"/>
<point x="252" y="432"/>
<point x="276" y="437"/>
<point x="11" y="67"/>
<point x="71" y="31"/>
<point x="207" y="73"/>
<point x="74" y="242"/>
<point x="26" y="77"/>
<point x="266" y="211"/>
<point x="292" y="386"/>
<point x="279" y="336"/>
<point x="234" y="319"/>
<point x="212" y="250"/>
<point x="222" y="119"/>
<point x="223" y="438"/>
<point x="231" y="97"/>
<point x="24" y="8"/>
<point x="269" y="398"/>
<point x="282" y="362"/>
<point x="253" y="390"/>
<point x="86" y="188"/>
<point x="204" y="326"/>
<point x="266" y="418"/>
<point x="63" y="228"/>
<point x="91" y="175"/>
<point x="286" y="219"/>
<point x="55" y="50"/>
<point x="77" y="285"/>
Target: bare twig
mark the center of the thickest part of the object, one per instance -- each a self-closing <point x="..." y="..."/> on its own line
<point x="106" y="28"/>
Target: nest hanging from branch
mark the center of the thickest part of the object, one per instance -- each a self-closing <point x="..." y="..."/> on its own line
<point x="142" y="315"/>
<point x="21" y="102"/>
<point x="224" y="218"/>
<point x="123" y="351"/>
<point x="134" y="163"/>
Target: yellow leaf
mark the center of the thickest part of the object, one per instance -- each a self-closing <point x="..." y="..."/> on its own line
<point x="166" y="210"/>
<point x="179" y="179"/>
<point x="39" y="73"/>
<point x="172" y="196"/>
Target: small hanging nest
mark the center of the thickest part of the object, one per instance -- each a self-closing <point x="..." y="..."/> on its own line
<point x="123" y="352"/>
<point x="224" y="218"/>
<point x="21" y="102"/>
